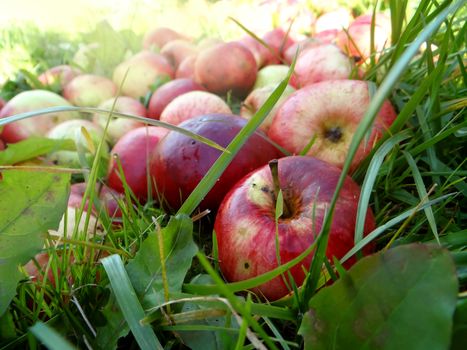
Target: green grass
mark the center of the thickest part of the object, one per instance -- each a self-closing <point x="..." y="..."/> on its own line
<point x="414" y="181"/>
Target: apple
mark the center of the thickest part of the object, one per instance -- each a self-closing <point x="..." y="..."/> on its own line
<point x="186" y="68"/>
<point x="2" y="103"/>
<point x="259" y="51"/>
<point x="57" y="77"/>
<point x="118" y="126"/>
<point x="107" y="197"/>
<point x="208" y="42"/>
<point x="167" y="92"/>
<point x="327" y="36"/>
<point x="279" y="41"/>
<point x="193" y="104"/>
<point x="224" y="68"/>
<point x="139" y="72"/>
<point x="300" y="47"/>
<point x="134" y="150"/>
<point x="356" y="42"/>
<point x="72" y="130"/>
<point x="179" y="162"/>
<point x="330" y="111"/>
<point x="177" y="50"/>
<point x="28" y="101"/>
<point x="323" y="62"/>
<point x="245" y="224"/>
<point x="256" y="99"/>
<point x="272" y="74"/>
<point x="2" y="145"/>
<point x="332" y="20"/>
<point x="158" y="37"/>
<point x="89" y="90"/>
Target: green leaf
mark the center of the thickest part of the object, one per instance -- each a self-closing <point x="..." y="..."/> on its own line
<point x="146" y="269"/>
<point x="403" y="298"/>
<point x="129" y="303"/>
<point x="50" y="337"/>
<point x="33" y="147"/>
<point x="31" y="203"/>
<point x="460" y="326"/>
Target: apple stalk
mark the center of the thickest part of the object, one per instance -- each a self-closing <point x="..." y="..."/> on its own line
<point x="274" y="167"/>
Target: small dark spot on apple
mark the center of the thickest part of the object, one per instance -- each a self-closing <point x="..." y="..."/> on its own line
<point x="193" y="142"/>
<point x="333" y="134"/>
<point x="246" y="265"/>
<point x="265" y="189"/>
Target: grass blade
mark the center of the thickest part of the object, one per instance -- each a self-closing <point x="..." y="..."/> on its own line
<point x="50" y="337"/>
<point x="129" y="303"/>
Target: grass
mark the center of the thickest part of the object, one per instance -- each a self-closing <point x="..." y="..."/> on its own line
<point x="414" y="181"/>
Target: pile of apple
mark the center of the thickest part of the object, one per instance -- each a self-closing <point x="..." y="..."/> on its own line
<point x="324" y="103"/>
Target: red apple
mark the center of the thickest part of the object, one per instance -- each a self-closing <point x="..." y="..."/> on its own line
<point x="327" y="36"/>
<point x="259" y="51"/>
<point x="108" y="199"/>
<point x="207" y="42"/>
<point x="193" y="104"/>
<point x="177" y="50"/>
<point x="28" y="101"/>
<point x="256" y="99"/>
<point x="58" y="76"/>
<point x="167" y="92"/>
<point x="323" y="62"/>
<point x="357" y="40"/>
<point x="89" y="90"/>
<point x="186" y="69"/>
<point x="160" y="36"/>
<point x="119" y="126"/>
<point x="300" y="47"/>
<point x="2" y="145"/>
<point x="226" y="68"/>
<point x="2" y="103"/>
<point x="139" y="72"/>
<point x="179" y="162"/>
<point x="330" y="111"/>
<point x="279" y="41"/>
<point x="245" y="224"/>
<point x="133" y="150"/>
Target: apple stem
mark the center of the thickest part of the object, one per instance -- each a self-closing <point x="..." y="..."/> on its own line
<point x="274" y="167"/>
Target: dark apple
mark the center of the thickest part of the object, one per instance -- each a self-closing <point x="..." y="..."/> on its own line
<point x="330" y="111"/>
<point x="133" y="151"/>
<point x="245" y="224"/>
<point x="167" y="92"/>
<point x="179" y="162"/>
<point x="193" y="104"/>
<point x="224" y="68"/>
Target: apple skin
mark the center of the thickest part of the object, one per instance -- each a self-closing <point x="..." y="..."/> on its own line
<point x="359" y="46"/>
<point x="256" y="99"/>
<point x="143" y="70"/>
<point x="323" y="62"/>
<point x="193" y="104"/>
<point x="133" y="150"/>
<point x="332" y="20"/>
<point x="119" y="126"/>
<point x="272" y="74"/>
<point x="158" y="37"/>
<point x="331" y="110"/>
<point x="167" y="92"/>
<point x="107" y="196"/>
<point x="179" y="162"/>
<point x="177" y="50"/>
<point x="89" y="90"/>
<point x="245" y="224"/>
<point x="279" y="41"/>
<point x="58" y="76"/>
<point x="28" y="101"/>
<point x="186" y="68"/>
<point x="2" y="145"/>
<point x="226" y="67"/>
<point x="301" y="46"/>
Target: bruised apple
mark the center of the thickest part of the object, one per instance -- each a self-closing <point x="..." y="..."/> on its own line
<point x="179" y="162"/>
<point x="245" y="224"/>
<point x="329" y="111"/>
